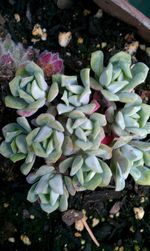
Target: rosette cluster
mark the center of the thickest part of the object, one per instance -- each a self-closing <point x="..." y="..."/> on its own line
<point x="89" y="130"/>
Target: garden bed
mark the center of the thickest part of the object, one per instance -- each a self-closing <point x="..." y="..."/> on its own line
<point x="24" y="226"/>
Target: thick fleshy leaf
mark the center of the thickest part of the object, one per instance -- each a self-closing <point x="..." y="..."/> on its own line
<point x="144" y="114"/>
<point x="93" y="163"/>
<point x="18" y="156"/>
<point x="85" y="77"/>
<point x="119" y="119"/>
<point x="25" y="96"/>
<point x="38" y="150"/>
<point x="109" y="95"/>
<point x="5" y="149"/>
<point x="41" y="81"/>
<point x="97" y="59"/>
<point x="69" y="185"/>
<point x="68" y="146"/>
<point x="63" y="203"/>
<point x="22" y="121"/>
<point x="61" y="108"/>
<point x="48" y="208"/>
<point x="76" y="165"/>
<point x="143" y="177"/>
<point x="14" y="86"/>
<point x="53" y="197"/>
<point x="36" y="92"/>
<point x="15" y="102"/>
<point x="56" y="183"/>
<point x="32" y="197"/>
<point x="53" y="92"/>
<point x="26" y="167"/>
<point x="116" y="86"/>
<point x="121" y="56"/>
<point x="21" y="143"/>
<point x="80" y="134"/>
<point x="106" y="175"/>
<point x="119" y="178"/>
<point x="106" y="76"/>
<point x="95" y="84"/>
<point x="127" y="97"/>
<point x="31" y="136"/>
<point x="94" y="182"/>
<point x="43" y="134"/>
<point x="65" y="164"/>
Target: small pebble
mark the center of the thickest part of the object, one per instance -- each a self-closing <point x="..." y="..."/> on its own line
<point x="86" y="12"/>
<point x="103" y="44"/>
<point x="132" y="229"/>
<point x="11" y="239"/>
<point x="142" y="47"/>
<point x="79" y="226"/>
<point x="25" y="239"/>
<point x="17" y="17"/>
<point x="99" y="13"/>
<point x="32" y="217"/>
<point x="142" y="200"/>
<point x="95" y="222"/>
<point x="121" y="248"/>
<point x="5" y="205"/>
<point x="77" y="234"/>
<point x="139" y="212"/>
<point x="80" y="40"/>
<point x="64" y="38"/>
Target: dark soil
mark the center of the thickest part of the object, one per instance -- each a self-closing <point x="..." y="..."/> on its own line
<point x="18" y="217"/>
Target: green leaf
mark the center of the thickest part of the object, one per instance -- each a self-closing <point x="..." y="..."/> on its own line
<point x="53" y="92"/>
<point x="38" y="150"/>
<point x="44" y="133"/>
<point x="109" y="96"/>
<point x="63" y="203"/>
<point x="21" y="143"/>
<point x="106" y="175"/>
<point x="26" y="167"/>
<point x="53" y="197"/>
<point x="31" y="136"/>
<point x="117" y="86"/>
<point x="56" y="183"/>
<point x="36" y="92"/>
<point x="97" y="59"/>
<point x="5" y="149"/>
<point x="25" y="96"/>
<point x="65" y="165"/>
<point x="93" y="163"/>
<point x="61" y="108"/>
<point x="22" y="121"/>
<point x="85" y="77"/>
<point x="14" y="85"/>
<point x="119" y="119"/>
<point x="76" y="165"/>
<point x="32" y="197"/>
<point x="106" y="76"/>
<point x="48" y="208"/>
<point x="143" y="177"/>
<point x="14" y="102"/>
<point x="41" y="81"/>
<point x="18" y="156"/>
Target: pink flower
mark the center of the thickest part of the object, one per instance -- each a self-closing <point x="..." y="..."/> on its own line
<point x="51" y="63"/>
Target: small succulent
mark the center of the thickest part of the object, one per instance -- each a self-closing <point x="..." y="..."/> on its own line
<point x="87" y="138"/>
<point x="48" y="189"/>
<point x="130" y="120"/>
<point x="133" y="159"/>
<point x="117" y="80"/>
<point x="28" y="90"/>
<point x="51" y="63"/>
<point x="12" y="55"/>
<point x="88" y="172"/>
<point x="73" y="95"/>
<point x="47" y="138"/>
<point x="15" y="146"/>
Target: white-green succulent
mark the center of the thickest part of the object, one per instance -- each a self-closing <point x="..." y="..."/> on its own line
<point x="118" y="79"/>
<point x="48" y="188"/>
<point x="90" y="135"/>
<point x="28" y="90"/>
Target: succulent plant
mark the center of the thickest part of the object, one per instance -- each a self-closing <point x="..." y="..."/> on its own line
<point x="48" y="189"/>
<point x="87" y="138"/>
<point x="130" y="120"/>
<point x="47" y="138"/>
<point x="88" y="172"/>
<point x="51" y="63"/>
<point x="15" y="146"/>
<point x="28" y="90"/>
<point x="117" y="80"/>
<point x="87" y="131"/>
<point x="74" y="95"/>
<point x="133" y="159"/>
<point x="12" y="55"/>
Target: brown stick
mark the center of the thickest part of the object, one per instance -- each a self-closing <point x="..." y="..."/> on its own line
<point x="90" y="231"/>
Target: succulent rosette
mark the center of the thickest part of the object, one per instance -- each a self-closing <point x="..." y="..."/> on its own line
<point x="15" y="146"/>
<point x="51" y="63"/>
<point x="132" y="120"/>
<point x="28" y="90"/>
<point x="12" y="55"/>
<point x="87" y="138"/>
<point x="88" y="172"/>
<point x="47" y="138"/>
<point x="74" y="95"/>
<point x="87" y="132"/>
<point x="117" y="80"/>
<point x="48" y="189"/>
<point x="133" y="159"/>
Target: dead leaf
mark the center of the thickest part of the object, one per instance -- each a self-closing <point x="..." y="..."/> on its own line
<point x="115" y="208"/>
